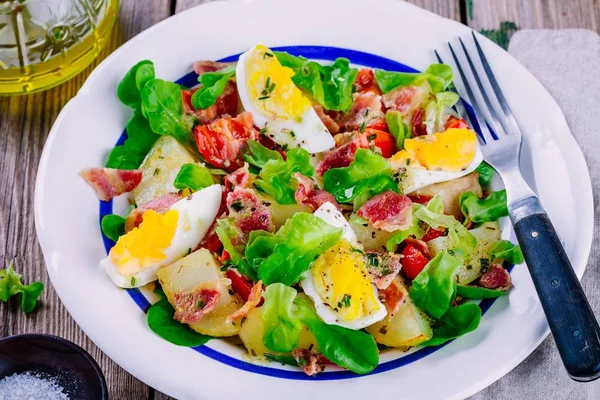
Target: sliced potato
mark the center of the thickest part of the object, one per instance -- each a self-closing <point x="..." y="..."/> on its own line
<point x="253" y="330"/>
<point x="370" y="237"/>
<point x="160" y="168"/>
<point x="487" y="236"/>
<point x="405" y="328"/>
<point x="200" y="268"/>
<point x="450" y="192"/>
<point x="281" y="212"/>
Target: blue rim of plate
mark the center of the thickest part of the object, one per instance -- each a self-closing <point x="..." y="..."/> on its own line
<point x="318" y="53"/>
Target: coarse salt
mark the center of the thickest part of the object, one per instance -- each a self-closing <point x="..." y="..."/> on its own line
<point x="31" y="386"/>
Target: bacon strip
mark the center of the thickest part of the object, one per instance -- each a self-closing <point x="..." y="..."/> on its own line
<point x="249" y="212"/>
<point x="225" y="104"/>
<point x="388" y="211"/>
<point x="365" y="81"/>
<point x="160" y="204"/>
<point x="330" y="123"/>
<point x="240" y="177"/>
<point x="191" y="306"/>
<point x="108" y="182"/>
<point x="203" y="66"/>
<point x="393" y="296"/>
<point x="253" y="301"/>
<point x="383" y="267"/>
<point x="311" y="363"/>
<point x="343" y="154"/>
<point x="366" y="111"/>
<point x="496" y="277"/>
<point x="307" y="195"/>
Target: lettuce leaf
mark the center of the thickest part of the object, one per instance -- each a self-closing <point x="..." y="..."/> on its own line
<point x="350" y="349"/>
<point x="438" y="110"/>
<point x="113" y="226"/>
<point x="397" y="127"/>
<point x="282" y="328"/>
<point x="484" y="210"/>
<point x="162" y="106"/>
<point x="329" y="85"/>
<point x="368" y="175"/>
<point x="454" y="323"/>
<point x="475" y="292"/>
<point x="284" y="256"/>
<point x="434" y="289"/>
<point x="226" y="230"/>
<point x="193" y="177"/>
<point x="439" y="77"/>
<point x="486" y="173"/>
<point x="507" y="251"/>
<point x="130" y="87"/>
<point x="258" y="155"/>
<point x="213" y="85"/>
<point x="277" y="176"/>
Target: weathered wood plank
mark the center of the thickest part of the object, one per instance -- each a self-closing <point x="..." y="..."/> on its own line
<point x="25" y="122"/>
<point x="547" y="14"/>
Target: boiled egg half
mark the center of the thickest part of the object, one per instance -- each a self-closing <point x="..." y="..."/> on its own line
<point x="277" y="106"/>
<point x="162" y="239"/>
<point x="338" y="281"/>
<point x="437" y="157"/>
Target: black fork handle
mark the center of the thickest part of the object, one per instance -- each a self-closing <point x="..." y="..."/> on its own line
<point x="571" y="319"/>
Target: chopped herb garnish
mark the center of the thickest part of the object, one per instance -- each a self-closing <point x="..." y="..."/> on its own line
<point x="237" y="206"/>
<point x="363" y="127"/>
<point x="263" y="130"/>
<point x="373" y="259"/>
<point x="156" y="171"/>
<point x="269" y="88"/>
<point x="372" y="137"/>
<point x="407" y="162"/>
<point x="292" y="134"/>
<point x="200" y="304"/>
<point x="132" y="281"/>
<point x="346" y="300"/>
<point x="485" y="262"/>
<point x="267" y="54"/>
<point x="284" y="147"/>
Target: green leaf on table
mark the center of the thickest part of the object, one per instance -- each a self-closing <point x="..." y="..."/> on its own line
<point x="330" y="85"/>
<point x="11" y="285"/>
<point x="258" y="155"/>
<point x="369" y="174"/>
<point x="194" y="177"/>
<point x="213" y="85"/>
<point x="133" y="82"/>
<point x="439" y="77"/>
<point x="160" y="320"/>
<point x="502" y="35"/>
<point x="476" y="292"/>
<point x="507" y="251"/>
<point x="397" y="127"/>
<point x="277" y="176"/>
<point x="434" y="289"/>
<point x="454" y="323"/>
<point x="486" y="173"/>
<point x="284" y="256"/>
<point x="140" y="140"/>
<point x="282" y="328"/>
<point x="162" y="106"/>
<point x="479" y="210"/>
<point x="113" y="226"/>
<point x="350" y="349"/>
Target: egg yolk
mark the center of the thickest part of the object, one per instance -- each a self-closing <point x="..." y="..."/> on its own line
<point x="452" y="150"/>
<point x="342" y="281"/>
<point x="270" y="86"/>
<point x="145" y="245"/>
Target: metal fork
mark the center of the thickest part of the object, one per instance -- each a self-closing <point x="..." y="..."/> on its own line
<point x="569" y="315"/>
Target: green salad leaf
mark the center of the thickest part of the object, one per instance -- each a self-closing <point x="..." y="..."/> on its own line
<point x="476" y="292"/>
<point x="439" y="77"/>
<point x="350" y="349"/>
<point x="284" y="256"/>
<point x="254" y="153"/>
<point x="329" y="85"/>
<point x="226" y="230"/>
<point x="277" y="176"/>
<point x="282" y="328"/>
<point x="507" y="251"/>
<point x="213" y="85"/>
<point x="397" y="127"/>
<point x="438" y="110"/>
<point x="484" y="210"/>
<point x="160" y="320"/>
<point x="113" y="226"/>
<point x="133" y="82"/>
<point x="140" y="140"/>
<point x="454" y="323"/>
<point x="434" y="289"/>
<point x="162" y="106"/>
<point x="486" y="173"/>
<point x="368" y="175"/>
<point x="193" y="177"/>
<point x="11" y="285"/>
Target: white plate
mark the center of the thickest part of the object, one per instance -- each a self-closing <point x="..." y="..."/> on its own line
<point x="67" y="215"/>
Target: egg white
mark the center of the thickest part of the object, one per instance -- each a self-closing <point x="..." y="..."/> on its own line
<point x="196" y="214"/>
<point x="309" y="134"/>
<point x="330" y="214"/>
<point x="417" y="178"/>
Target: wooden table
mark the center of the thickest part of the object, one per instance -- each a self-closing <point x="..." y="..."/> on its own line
<point x="26" y="120"/>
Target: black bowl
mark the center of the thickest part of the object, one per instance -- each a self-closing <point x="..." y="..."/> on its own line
<point x="70" y="365"/>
